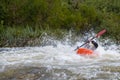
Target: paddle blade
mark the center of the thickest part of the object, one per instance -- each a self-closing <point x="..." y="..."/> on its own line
<point x="101" y="33"/>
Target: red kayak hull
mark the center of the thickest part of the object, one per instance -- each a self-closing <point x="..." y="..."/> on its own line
<point x="84" y="51"/>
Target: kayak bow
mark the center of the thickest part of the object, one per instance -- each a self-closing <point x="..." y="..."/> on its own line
<point x="84" y="51"/>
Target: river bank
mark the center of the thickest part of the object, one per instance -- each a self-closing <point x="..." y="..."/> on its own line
<point x="27" y="37"/>
<point x="23" y="24"/>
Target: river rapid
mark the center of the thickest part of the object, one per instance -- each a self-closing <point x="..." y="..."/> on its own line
<point x="59" y="62"/>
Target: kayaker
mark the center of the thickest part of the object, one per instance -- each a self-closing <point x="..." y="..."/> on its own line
<point x="92" y="45"/>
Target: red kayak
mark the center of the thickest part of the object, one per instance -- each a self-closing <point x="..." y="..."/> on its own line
<point x="84" y="51"/>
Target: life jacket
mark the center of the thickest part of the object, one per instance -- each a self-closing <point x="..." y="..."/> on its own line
<point x="95" y="44"/>
<point x="92" y="45"/>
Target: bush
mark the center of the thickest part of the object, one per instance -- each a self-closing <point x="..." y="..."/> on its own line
<point x="31" y="17"/>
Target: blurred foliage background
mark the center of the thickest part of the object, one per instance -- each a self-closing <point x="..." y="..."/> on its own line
<point x="25" y="20"/>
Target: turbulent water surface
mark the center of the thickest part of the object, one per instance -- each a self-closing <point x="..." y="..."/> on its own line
<point x="58" y="63"/>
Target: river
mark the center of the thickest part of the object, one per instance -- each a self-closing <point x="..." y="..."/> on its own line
<point x="59" y="62"/>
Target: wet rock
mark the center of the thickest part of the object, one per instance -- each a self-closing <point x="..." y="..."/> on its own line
<point x="111" y="68"/>
<point x="38" y="73"/>
<point x="19" y="74"/>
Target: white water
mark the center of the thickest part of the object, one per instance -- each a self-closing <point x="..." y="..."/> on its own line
<point x="64" y="57"/>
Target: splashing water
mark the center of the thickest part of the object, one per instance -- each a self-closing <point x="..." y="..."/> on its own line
<point x="62" y="63"/>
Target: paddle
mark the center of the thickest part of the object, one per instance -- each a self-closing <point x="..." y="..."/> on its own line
<point x="97" y="35"/>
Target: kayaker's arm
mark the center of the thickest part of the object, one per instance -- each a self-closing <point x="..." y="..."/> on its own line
<point x="84" y="43"/>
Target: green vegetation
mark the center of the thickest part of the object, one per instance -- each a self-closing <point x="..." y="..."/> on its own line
<point x="25" y="20"/>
